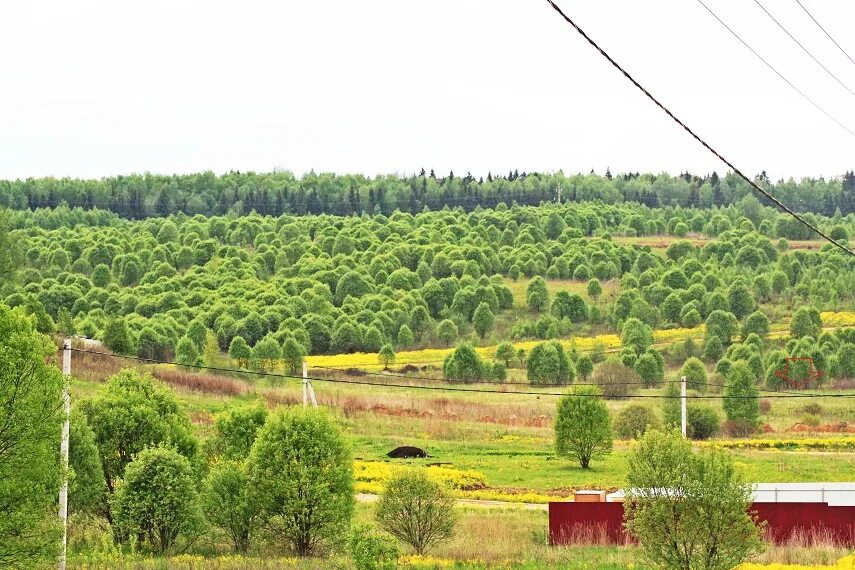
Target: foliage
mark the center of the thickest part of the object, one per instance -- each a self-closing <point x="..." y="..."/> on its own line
<point x="696" y="374"/>
<point x="688" y="511"/>
<point x="721" y="325"/>
<point x="483" y="319"/>
<point x="31" y="400"/>
<point x="464" y="365"/>
<point x="549" y="364"/>
<point x="301" y="477"/>
<point x="371" y="550"/>
<point x="616" y="380"/>
<point x="585" y="366"/>
<point x="229" y="505"/>
<point x="806" y="322"/>
<point x="293" y="354"/>
<point x="583" y="429"/>
<point x="157" y="499"/>
<point x="386" y="356"/>
<point x="636" y="335"/>
<point x="236" y="430"/>
<point x="266" y="354"/>
<point x="742" y="403"/>
<point x="416" y="510"/>
<point x="86" y="487"/>
<point x="240" y="352"/>
<point x="446" y="331"/>
<point x="506" y="353"/>
<point x="537" y="296"/>
<point x="116" y="336"/>
<point x="633" y="420"/>
<point x="135" y="412"/>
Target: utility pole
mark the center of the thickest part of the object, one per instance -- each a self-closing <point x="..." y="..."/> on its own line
<point x="683" y="405"/>
<point x="308" y="391"/>
<point x="63" y="449"/>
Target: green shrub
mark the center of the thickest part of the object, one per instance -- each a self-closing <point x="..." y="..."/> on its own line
<point x="416" y="510"/>
<point x="634" y="420"/>
<point x="371" y="550"/>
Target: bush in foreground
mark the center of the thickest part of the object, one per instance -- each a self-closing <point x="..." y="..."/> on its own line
<point x="157" y="499"/>
<point x="416" y="510"/>
<point x="371" y="550"/>
<point x="301" y="474"/>
<point x="688" y="511"/>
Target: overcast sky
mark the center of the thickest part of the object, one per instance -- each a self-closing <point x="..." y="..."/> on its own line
<point x="98" y="88"/>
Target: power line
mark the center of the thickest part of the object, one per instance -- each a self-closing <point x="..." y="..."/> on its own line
<point x="778" y="73"/>
<point x="442" y="388"/>
<point x="825" y="32"/>
<point x="804" y="49"/>
<point x="698" y="138"/>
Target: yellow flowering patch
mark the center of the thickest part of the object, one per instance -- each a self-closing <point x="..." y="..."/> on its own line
<point x="435" y="356"/>
<point x="838" y="318"/>
<point x="846" y="563"/>
<point x="376" y="473"/>
<point x="811" y="443"/>
<point x="416" y="561"/>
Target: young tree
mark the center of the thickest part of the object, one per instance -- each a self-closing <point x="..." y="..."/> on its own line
<point x="132" y="413"/>
<point x="805" y="324"/>
<point x="483" y="320"/>
<point x="464" y="365"/>
<point x="696" y="374"/>
<point x="158" y="499"/>
<point x="688" y="511"/>
<point x="583" y="429"/>
<point x="236" y="430"/>
<point x="186" y="353"/>
<point x="636" y="335"/>
<point x="649" y="368"/>
<point x="416" y="510"/>
<point x="548" y="363"/>
<point x="740" y="299"/>
<point x="756" y="323"/>
<point x="405" y="336"/>
<point x="301" y="476"/>
<point x="31" y="396"/>
<point x="721" y="324"/>
<point x="616" y="380"/>
<point x="240" y="352"/>
<point x="266" y="354"/>
<point x="293" y="354"/>
<point x="742" y="403"/>
<point x="116" y="336"/>
<point x="87" y="491"/>
<point x="594" y="289"/>
<point x="635" y="420"/>
<point x="446" y="331"/>
<point x="228" y="503"/>
<point x="386" y="356"/>
<point x="506" y="353"/>
<point x="537" y="297"/>
<point x="584" y="367"/>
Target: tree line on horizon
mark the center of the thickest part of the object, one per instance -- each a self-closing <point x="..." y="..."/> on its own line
<point x="139" y="196"/>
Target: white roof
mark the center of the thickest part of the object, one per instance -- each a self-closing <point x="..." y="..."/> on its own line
<point x="835" y="494"/>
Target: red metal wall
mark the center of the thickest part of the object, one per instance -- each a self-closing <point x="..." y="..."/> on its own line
<point x="603" y="522"/>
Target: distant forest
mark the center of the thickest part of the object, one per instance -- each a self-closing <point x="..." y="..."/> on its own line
<point x="276" y="193"/>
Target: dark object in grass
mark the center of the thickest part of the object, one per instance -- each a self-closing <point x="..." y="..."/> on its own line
<point x="354" y="372"/>
<point x="406" y="452"/>
<point x="408" y="369"/>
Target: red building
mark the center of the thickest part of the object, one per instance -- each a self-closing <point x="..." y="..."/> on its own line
<point x="789" y="509"/>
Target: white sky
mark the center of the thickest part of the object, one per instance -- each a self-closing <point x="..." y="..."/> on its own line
<point x="97" y="88"/>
